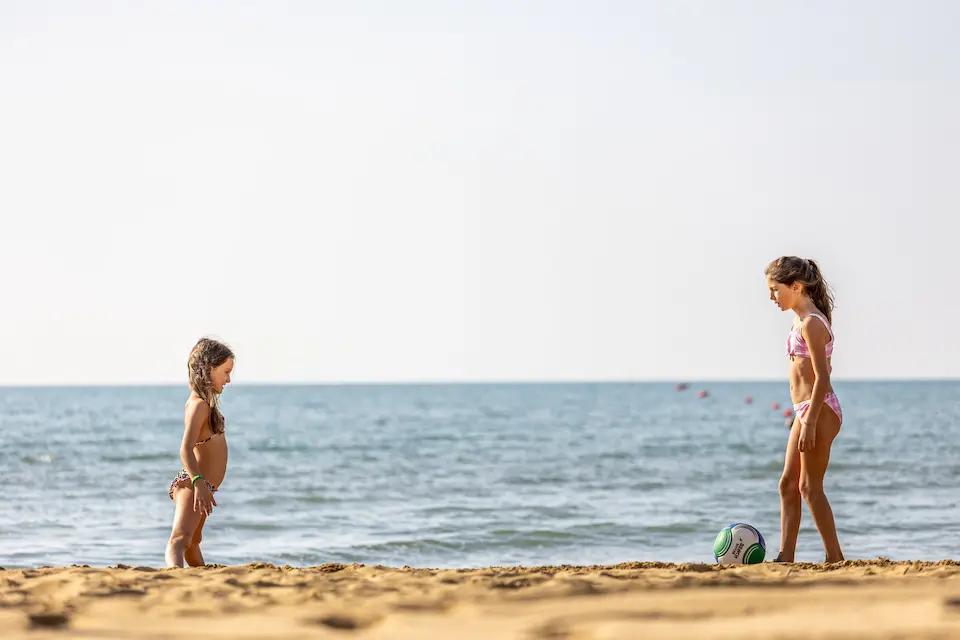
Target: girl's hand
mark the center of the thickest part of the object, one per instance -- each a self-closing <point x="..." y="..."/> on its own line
<point x="203" y="501"/>
<point x="808" y="436"/>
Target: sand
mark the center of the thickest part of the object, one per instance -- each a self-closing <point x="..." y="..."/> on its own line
<point x="853" y="599"/>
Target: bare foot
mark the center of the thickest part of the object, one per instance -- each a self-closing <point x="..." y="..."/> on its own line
<point x="780" y="558"/>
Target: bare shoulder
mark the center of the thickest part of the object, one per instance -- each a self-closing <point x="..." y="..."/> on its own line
<point x="196" y="408"/>
<point x="814" y="328"/>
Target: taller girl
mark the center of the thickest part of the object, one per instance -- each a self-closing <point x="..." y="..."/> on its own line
<point x="796" y="284"/>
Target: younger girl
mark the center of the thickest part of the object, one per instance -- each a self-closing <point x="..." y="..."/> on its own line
<point x="203" y="451"/>
<point x="796" y="284"/>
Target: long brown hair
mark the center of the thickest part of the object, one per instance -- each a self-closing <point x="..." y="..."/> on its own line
<point x="789" y="269"/>
<point x="206" y="355"/>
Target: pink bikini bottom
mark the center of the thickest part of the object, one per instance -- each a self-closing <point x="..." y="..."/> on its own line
<point x="830" y="400"/>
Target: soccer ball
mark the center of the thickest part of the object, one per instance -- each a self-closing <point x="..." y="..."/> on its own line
<point x="739" y="544"/>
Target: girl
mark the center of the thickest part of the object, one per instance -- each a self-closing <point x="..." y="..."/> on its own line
<point x="796" y="284"/>
<point x="203" y="451"/>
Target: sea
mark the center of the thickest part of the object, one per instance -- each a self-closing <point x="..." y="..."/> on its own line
<point x="472" y="475"/>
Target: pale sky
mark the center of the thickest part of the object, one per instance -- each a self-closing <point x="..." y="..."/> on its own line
<point x="473" y="191"/>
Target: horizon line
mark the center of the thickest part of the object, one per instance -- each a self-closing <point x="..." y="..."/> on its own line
<point x="441" y="383"/>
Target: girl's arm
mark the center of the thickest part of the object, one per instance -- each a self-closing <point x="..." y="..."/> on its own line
<point x="195" y="415"/>
<point x="816" y="335"/>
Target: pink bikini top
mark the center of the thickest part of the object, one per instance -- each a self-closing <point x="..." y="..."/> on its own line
<point x="797" y="346"/>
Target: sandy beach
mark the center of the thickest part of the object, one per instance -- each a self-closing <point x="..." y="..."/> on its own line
<point x="854" y="599"/>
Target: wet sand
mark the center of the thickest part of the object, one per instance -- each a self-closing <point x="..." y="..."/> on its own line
<point x="854" y="599"/>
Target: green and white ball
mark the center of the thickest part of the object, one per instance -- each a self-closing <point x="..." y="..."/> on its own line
<point x="739" y="544"/>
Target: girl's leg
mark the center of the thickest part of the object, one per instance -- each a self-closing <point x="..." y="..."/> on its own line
<point x="192" y="555"/>
<point x="185" y="521"/>
<point x="813" y="466"/>
<point x="790" y="503"/>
